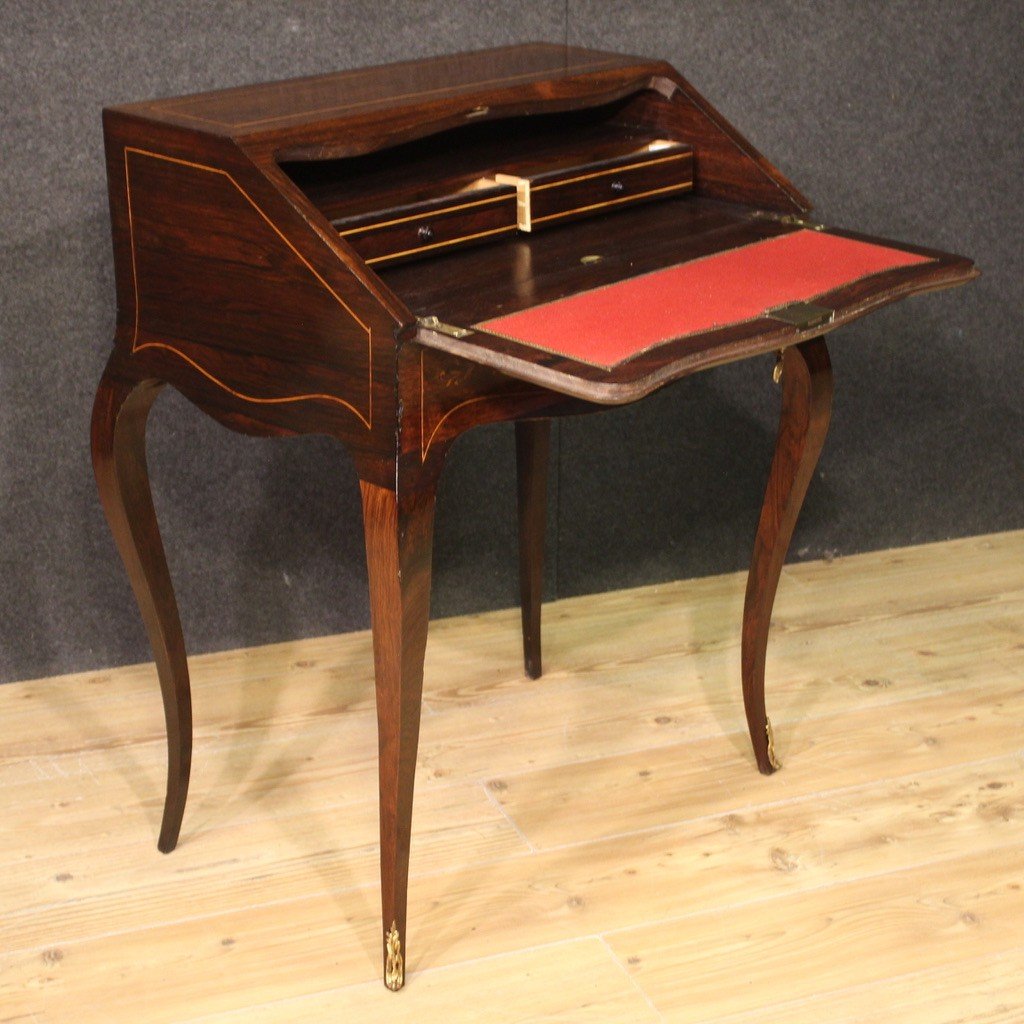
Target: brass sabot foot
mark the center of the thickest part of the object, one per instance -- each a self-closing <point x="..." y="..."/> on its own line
<point x="772" y="759"/>
<point x="394" y="966"/>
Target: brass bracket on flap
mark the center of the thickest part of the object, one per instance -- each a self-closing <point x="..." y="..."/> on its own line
<point x="803" y="315"/>
<point x="431" y="323"/>
<point x="793" y="219"/>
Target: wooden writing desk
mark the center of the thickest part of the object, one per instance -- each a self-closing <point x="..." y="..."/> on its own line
<point x="392" y="256"/>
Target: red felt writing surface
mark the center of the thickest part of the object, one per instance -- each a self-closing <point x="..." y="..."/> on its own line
<point x="608" y="325"/>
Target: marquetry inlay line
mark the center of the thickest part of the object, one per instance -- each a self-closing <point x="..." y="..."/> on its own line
<point x="611" y="170"/>
<point x="682" y="187"/>
<point x="506" y="198"/>
<point x="426" y="442"/>
<point x="366" y="419"/>
<point x="440" y="245"/>
<point x="467" y="86"/>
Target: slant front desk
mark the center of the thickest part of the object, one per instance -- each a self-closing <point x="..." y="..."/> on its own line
<point x="394" y="255"/>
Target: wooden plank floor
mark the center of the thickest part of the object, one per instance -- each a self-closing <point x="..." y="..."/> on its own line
<point x="595" y="845"/>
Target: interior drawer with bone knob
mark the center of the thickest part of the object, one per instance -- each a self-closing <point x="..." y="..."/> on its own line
<point x="640" y="170"/>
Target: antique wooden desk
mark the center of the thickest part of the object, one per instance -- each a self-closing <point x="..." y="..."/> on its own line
<point x="392" y="256"/>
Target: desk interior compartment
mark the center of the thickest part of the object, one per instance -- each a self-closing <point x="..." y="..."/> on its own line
<point x="609" y="172"/>
<point x="479" y="181"/>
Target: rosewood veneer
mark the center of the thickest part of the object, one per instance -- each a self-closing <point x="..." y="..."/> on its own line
<point x="394" y="255"/>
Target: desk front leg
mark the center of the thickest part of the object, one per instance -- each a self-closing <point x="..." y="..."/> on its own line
<point x="119" y="417"/>
<point x="399" y="540"/>
<point x="803" y="423"/>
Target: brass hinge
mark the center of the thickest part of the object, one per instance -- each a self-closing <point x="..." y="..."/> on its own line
<point x="431" y="323"/>
<point x="803" y="315"/>
<point x="789" y="218"/>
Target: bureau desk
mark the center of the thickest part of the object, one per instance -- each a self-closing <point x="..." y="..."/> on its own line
<point x="394" y="255"/>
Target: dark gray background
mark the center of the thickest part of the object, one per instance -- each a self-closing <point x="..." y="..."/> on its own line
<point x="902" y="119"/>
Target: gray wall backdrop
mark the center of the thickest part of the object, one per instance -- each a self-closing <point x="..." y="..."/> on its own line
<point x="896" y="118"/>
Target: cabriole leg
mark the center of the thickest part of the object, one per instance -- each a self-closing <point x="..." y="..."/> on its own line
<point x="803" y="423"/>
<point x="399" y="541"/>
<point x="533" y="447"/>
<point x="119" y="460"/>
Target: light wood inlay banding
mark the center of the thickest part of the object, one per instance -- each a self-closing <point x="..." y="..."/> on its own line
<point x="366" y="418"/>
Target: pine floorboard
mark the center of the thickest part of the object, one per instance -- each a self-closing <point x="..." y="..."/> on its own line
<point x="595" y="845"/>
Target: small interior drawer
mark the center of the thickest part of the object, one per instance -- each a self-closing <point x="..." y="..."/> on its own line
<point x="482" y="210"/>
<point x="550" y="195"/>
<point x="482" y="182"/>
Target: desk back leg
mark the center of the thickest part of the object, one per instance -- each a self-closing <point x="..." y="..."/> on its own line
<point x="533" y="448"/>
<point x="399" y="542"/>
<point x="119" y="460"/>
<point x="803" y="423"/>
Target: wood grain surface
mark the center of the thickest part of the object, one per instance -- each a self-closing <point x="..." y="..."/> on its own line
<point x="236" y="286"/>
<point x="592" y="845"/>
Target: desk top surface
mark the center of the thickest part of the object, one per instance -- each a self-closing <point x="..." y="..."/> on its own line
<point x="294" y="103"/>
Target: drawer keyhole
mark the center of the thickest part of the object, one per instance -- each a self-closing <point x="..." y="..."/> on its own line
<point x="425" y="233"/>
<point x="617" y="186"/>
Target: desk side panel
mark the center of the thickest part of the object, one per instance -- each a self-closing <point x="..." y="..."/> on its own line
<point x="228" y="293"/>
